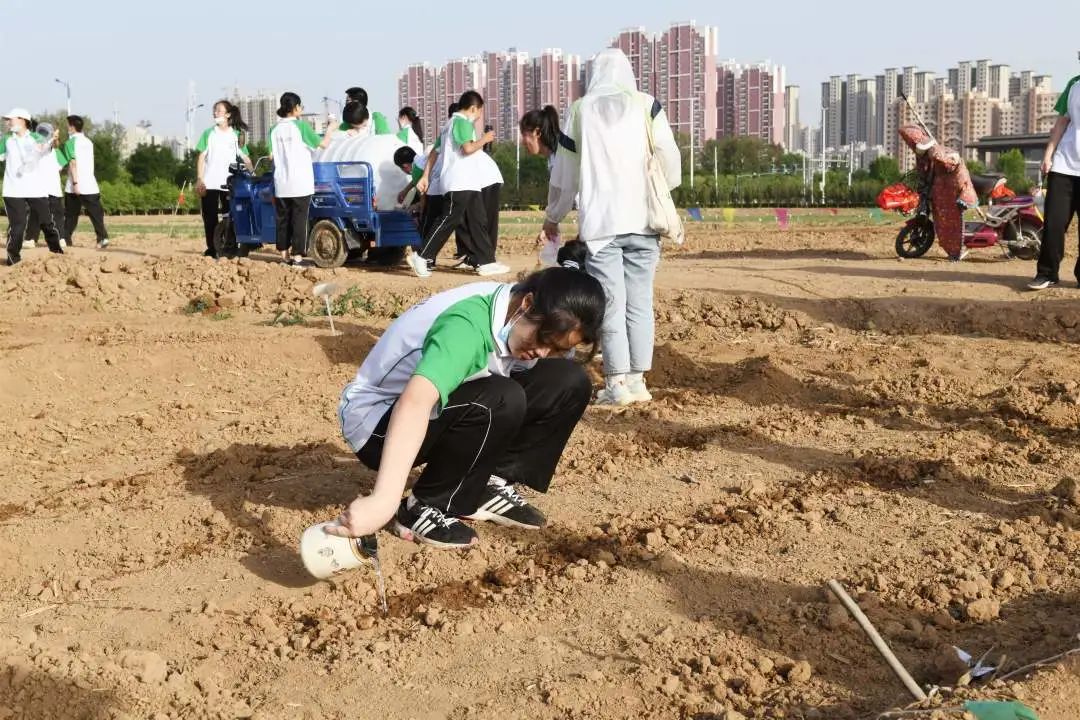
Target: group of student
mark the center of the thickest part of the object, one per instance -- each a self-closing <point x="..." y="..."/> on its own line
<point x="460" y="186"/>
<point x="293" y="146"/>
<point x="35" y="201"/>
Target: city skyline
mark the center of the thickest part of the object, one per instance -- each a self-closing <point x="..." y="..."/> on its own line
<point x="324" y="59"/>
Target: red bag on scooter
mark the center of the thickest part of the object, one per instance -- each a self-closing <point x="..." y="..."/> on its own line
<point x="898" y="197"/>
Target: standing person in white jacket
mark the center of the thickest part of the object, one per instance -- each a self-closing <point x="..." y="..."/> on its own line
<point x="602" y="155"/>
<point x="26" y="192"/>
<point x="82" y="185"/>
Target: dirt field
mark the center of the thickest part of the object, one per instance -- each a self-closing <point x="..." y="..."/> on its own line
<point x="823" y="410"/>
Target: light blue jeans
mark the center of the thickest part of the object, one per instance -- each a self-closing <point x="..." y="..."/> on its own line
<point x="626" y="268"/>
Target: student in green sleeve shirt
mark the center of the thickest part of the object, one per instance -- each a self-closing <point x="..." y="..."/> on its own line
<point x="475" y="384"/>
<point x="1061" y="165"/>
<point x="49" y="166"/>
<point x="357" y="123"/>
<point x="292" y="144"/>
<point x="379" y="124"/>
<point x="219" y="147"/>
<point x="25" y="190"/>
<point x="82" y="185"/>
<point x="411" y="130"/>
<point x="461" y="172"/>
<point x="412" y="165"/>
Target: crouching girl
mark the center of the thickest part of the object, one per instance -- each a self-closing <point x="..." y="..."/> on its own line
<point x="476" y="383"/>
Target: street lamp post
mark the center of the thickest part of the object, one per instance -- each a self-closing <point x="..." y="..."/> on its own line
<point x="67" y="88"/>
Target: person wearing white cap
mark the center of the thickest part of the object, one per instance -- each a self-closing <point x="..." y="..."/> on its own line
<point x="26" y="190"/>
<point x="50" y="166"/>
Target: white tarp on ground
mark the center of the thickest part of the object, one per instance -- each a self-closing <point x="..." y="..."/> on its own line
<point x="378" y="150"/>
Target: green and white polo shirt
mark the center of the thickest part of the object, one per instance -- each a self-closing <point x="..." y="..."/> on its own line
<point x="451" y="338"/>
<point x="221" y="145"/>
<point x="292" y="143"/>
<point x="80" y="149"/>
<point x="379" y="125"/>
<point x="1067" y="156"/>
<point x="24" y="177"/>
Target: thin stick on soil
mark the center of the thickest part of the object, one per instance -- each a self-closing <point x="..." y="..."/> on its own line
<point x="877" y="640"/>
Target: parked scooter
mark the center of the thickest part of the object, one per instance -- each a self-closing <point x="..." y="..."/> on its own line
<point x="1012" y="222"/>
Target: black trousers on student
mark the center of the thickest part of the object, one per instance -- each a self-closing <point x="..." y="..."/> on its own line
<point x="1062" y="203"/>
<point x="56" y="213"/>
<point x="212" y="204"/>
<point x="515" y="428"/>
<point x="74" y="205"/>
<point x="18" y="214"/>
<point x="482" y="223"/>
<point x="292" y="223"/>
<point x="450" y="218"/>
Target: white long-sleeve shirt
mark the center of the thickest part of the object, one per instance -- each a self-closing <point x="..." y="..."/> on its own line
<point x="604" y="159"/>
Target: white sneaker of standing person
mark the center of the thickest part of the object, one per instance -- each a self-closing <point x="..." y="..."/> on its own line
<point x="418" y="264"/>
<point x="63" y="243"/>
<point x="103" y="244"/>
<point x="615" y="392"/>
<point x="492" y="268"/>
<point x="29" y="244"/>
<point x="635" y="384"/>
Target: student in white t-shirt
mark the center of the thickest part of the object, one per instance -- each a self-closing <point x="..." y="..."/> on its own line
<point x="50" y="166"/>
<point x="1061" y="165"/>
<point x="82" y="185"/>
<point x="356" y="123"/>
<point x="411" y="130"/>
<point x="25" y="189"/>
<point x="292" y="145"/>
<point x="463" y="171"/>
<point x="219" y="147"/>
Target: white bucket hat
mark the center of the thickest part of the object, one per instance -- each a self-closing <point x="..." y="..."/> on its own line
<point x="19" y="113"/>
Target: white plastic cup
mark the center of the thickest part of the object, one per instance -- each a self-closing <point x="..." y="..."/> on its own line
<point x="326" y="555"/>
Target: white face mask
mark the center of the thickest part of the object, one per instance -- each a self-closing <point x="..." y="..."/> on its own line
<point x="504" y="332"/>
<point x="221" y="120"/>
<point x="404" y="124"/>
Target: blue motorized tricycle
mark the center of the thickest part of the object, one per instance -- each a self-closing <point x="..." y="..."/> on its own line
<point x="342" y="222"/>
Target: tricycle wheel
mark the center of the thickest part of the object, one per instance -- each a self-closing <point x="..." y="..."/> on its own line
<point x="225" y="240"/>
<point x="244" y="249"/>
<point x="326" y="245"/>
<point x="915" y="238"/>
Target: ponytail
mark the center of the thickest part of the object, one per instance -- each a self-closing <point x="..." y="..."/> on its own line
<point x="414" y="120"/>
<point x="289" y="102"/>
<point x="547" y="122"/>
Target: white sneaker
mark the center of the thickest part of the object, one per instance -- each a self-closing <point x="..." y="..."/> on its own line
<point x="492" y="269"/>
<point x="103" y="244"/>
<point x="418" y="265"/>
<point x="29" y="244"/>
<point x="638" y="391"/>
<point x="614" y="396"/>
<point x="63" y="243"/>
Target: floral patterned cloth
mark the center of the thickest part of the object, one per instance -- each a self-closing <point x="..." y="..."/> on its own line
<point x="950" y="186"/>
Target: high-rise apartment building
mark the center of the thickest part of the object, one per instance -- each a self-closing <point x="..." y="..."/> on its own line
<point x="686" y="79"/>
<point x="418" y="89"/>
<point x="640" y="48"/>
<point x="832" y="105"/>
<point x="866" y="124"/>
<point x="982" y="76"/>
<point x="751" y="102"/>
<point x="792" y="126"/>
<point x="558" y="79"/>
<point x="259" y="112"/>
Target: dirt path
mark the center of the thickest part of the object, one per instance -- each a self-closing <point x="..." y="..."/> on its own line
<point x="822" y="410"/>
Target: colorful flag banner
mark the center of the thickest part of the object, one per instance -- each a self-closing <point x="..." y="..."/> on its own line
<point x="695" y="214"/>
<point x="834" y="211"/>
<point x="729" y="215"/>
<point x="783" y="218"/>
<point x="877" y="215"/>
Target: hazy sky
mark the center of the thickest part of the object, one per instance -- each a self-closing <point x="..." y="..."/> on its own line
<point x="138" y="57"/>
